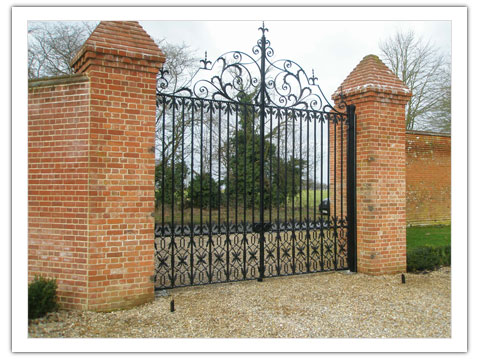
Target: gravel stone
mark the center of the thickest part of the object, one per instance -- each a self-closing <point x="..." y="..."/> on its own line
<point x="321" y="305"/>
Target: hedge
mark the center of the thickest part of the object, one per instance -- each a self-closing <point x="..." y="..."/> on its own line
<point x="428" y="258"/>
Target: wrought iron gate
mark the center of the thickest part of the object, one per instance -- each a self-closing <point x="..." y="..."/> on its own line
<point x="255" y="174"/>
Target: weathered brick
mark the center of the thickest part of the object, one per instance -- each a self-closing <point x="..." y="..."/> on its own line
<point x="428" y="189"/>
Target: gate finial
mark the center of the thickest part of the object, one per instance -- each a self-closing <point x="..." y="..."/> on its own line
<point x="342" y="104"/>
<point x="312" y="79"/>
<point x="205" y="62"/>
<point x="263" y="28"/>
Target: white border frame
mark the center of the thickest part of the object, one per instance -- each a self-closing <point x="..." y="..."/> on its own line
<point x="20" y="340"/>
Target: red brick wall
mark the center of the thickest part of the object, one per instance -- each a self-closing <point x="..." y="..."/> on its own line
<point x="58" y="124"/>
<point x="428" y="178"/>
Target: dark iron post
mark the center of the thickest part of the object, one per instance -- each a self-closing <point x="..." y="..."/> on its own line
<point x="351" y="190"/>
<point x="261" y="268"/>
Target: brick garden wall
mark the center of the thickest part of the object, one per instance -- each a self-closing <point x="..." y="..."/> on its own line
<point x="58" y="125"/>
<point x="428" y="166"/>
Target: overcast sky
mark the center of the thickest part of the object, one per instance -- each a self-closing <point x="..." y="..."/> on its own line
<point x="331" y="48"/>
<point x="332" y="41"/>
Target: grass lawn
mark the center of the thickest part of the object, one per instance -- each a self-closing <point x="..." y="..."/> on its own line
<point x="428" y="235"/>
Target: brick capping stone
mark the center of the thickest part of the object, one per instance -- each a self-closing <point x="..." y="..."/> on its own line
<point x="372" y="75"/>
<point x="57" y="80"/>
<point x="427" y="133"/>
<point x="119" y="44"/>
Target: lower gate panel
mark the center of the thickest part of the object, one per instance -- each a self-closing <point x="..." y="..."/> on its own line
<point x="186" y="259"/>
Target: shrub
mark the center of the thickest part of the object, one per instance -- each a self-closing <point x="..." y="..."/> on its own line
<point x="428" y="258"/>
<point x="42" y="297"/>
<point x="445" y="253"/>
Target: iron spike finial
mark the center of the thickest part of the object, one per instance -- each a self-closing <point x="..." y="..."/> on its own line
<point x="263" y="28"/>
<point x="162" y="81"/>
<point x="313" y="78"/>
<point x="205" y="62"/>
<point x="342" y="103"/>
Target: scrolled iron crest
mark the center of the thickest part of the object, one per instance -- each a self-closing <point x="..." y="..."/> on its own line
<point x="236" y="74"/>
<point x="288" y="86"/>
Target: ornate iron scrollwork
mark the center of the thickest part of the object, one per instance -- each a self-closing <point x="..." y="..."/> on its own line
<point x="235" y="74"/>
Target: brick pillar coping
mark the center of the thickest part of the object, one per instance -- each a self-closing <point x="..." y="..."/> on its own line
<point x="119" y="44"/>
<point x="372" y="77"/>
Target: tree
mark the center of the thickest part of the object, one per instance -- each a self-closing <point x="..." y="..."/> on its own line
<point x="180" y="65"/>
<point x="426" y="72"/>
<point x="53" y="45"/>
<point x="440" y="119"/>
<point x="203" y="192"/>
<point x="244" y="170"/>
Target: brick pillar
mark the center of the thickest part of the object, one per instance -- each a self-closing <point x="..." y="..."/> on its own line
<point x="92" y="170"/>
<point x="380" y="99"/>
<point x="122" y="62"/>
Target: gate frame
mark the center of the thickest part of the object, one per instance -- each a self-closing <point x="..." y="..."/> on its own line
<point x="263" y="48"/>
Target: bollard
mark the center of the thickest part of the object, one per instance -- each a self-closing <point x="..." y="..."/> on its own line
<point x="172" y="306"/>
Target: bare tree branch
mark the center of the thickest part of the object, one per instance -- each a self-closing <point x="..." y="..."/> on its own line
<point x="426" y="72"/>
<point x="52" y="45"/>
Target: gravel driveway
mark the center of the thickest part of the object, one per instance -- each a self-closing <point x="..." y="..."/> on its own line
<point x="322" y="305"/>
